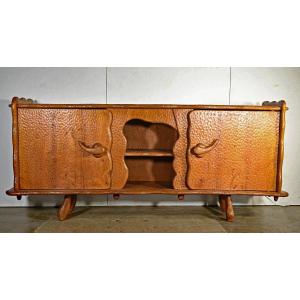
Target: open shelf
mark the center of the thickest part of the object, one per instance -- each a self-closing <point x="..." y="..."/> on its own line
<point x="149" y="153"/>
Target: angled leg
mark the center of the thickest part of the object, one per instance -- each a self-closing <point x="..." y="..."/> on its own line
<point x="226" y="205"/>
<point x="67" y="207"/>
<point x="222" y="203"/>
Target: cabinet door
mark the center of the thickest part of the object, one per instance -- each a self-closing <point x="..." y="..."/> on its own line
<point x="64" y="148"/>
<point x="233" y="150"/>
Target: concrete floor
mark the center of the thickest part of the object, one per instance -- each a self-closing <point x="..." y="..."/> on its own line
<point x="152" y="219"/>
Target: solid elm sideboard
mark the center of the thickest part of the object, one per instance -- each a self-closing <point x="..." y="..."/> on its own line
<point x="83" y="149"/>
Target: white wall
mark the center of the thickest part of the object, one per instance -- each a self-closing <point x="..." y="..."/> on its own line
<point x="152" y="85"/>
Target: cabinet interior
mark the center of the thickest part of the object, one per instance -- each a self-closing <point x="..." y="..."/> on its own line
<point x="149" y="153"/>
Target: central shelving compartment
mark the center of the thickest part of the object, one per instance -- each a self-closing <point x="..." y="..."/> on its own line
<point x="149" y="154"/>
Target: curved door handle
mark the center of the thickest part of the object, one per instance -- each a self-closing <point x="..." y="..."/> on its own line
<point x="96" y="149"/>
<point x="200" y="149"/>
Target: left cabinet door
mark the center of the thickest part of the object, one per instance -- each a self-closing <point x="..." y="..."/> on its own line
<point x="64" y="148"/>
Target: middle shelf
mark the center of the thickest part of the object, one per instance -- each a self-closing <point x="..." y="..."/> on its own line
<point x="148" y="153"/>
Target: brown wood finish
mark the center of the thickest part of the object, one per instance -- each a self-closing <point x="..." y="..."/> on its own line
<point x="51" y="151"/>
<point x="226" y="205"/>
<point x="283" y="109"/>
<point x="25" y="104"/>
<point x="121" y="117"/>
<point x="150" y="169"/>
<point x="233" y="150"/>
<point x="67" y="207"/>
<point x="149" y="153"/>
<point x="180" y="148"/>
<point x="145" y="188"/>
<point x="72" y="149"/>
<point x="15" y="141"/>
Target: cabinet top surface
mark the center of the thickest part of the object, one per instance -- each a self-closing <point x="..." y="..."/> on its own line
<point x="24" y="103"/>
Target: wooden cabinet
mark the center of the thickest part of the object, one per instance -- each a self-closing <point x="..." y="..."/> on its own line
<point x="73" y="149"/>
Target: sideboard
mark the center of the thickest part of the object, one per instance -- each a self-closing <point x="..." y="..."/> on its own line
<point x="83" y="149"/>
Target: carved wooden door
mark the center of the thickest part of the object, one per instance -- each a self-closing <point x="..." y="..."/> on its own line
<point x="64" y="148"/>
<point x="233" y="150"/>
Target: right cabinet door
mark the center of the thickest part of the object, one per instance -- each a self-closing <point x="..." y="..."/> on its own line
<point x="232" y="150"/>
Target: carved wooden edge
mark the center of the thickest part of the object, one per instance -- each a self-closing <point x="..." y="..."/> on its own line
<point x="119" y="173"/>
<point x="67" y="207"/>
<point x="108" y="151"/>
<point x="188" y="156"/>
<point x="283" y="108"/>
<point x="279" y="104"/>
<point x="21" y="101"/>
<point x="180" y="157"/>
<point x="118" y="150"/>
<point x="128" y="191"/>
<point x="15" y="141"/>
<point x="34" y="104"/>
<point x="15" y="103"/>
<point x="281" y="147"/>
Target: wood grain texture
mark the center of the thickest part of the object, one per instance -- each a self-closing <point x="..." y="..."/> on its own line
<point x="15" y="142"/>
<point x="150" y="169"/>
<point x="152" y="106"/>
<point x="144" y="188"/>
<point x="283" y="109"/>
<point x="141" y="135"/>
<point x="226" y="205"/>
<point x="50" y="154"/>
<point x="180" y="148"/>
<point x="246" y="155"/>
<point x="119" y="174"/>
<point x="149" y="153"/>
<point x="67" y="207"/>
<point x="49" y="158"/>
<point x="93" y="149"/>
<point x="120" y="118"/>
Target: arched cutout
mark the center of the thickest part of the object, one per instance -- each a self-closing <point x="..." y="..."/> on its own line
<point x="149" y="152"/>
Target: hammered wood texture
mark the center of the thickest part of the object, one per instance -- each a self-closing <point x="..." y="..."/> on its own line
<point x="98" y="149"/>
<point x="50" y="154"/>
<point x="180" y="149"/>
<point x="245" y="154"/>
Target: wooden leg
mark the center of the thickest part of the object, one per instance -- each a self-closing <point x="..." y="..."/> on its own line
<point x="180" y="197"/>
<point x="66" y="208"/>
<point x="19" y="197"/>
<point x="226" y="205"/>
<point x="276" y="198"/>
<point x="222" y="203"/>
<point x="116" y="196"/>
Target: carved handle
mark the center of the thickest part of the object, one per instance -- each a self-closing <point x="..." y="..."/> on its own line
<point x="97" y="149"/>
<point x="200" y="149"/>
